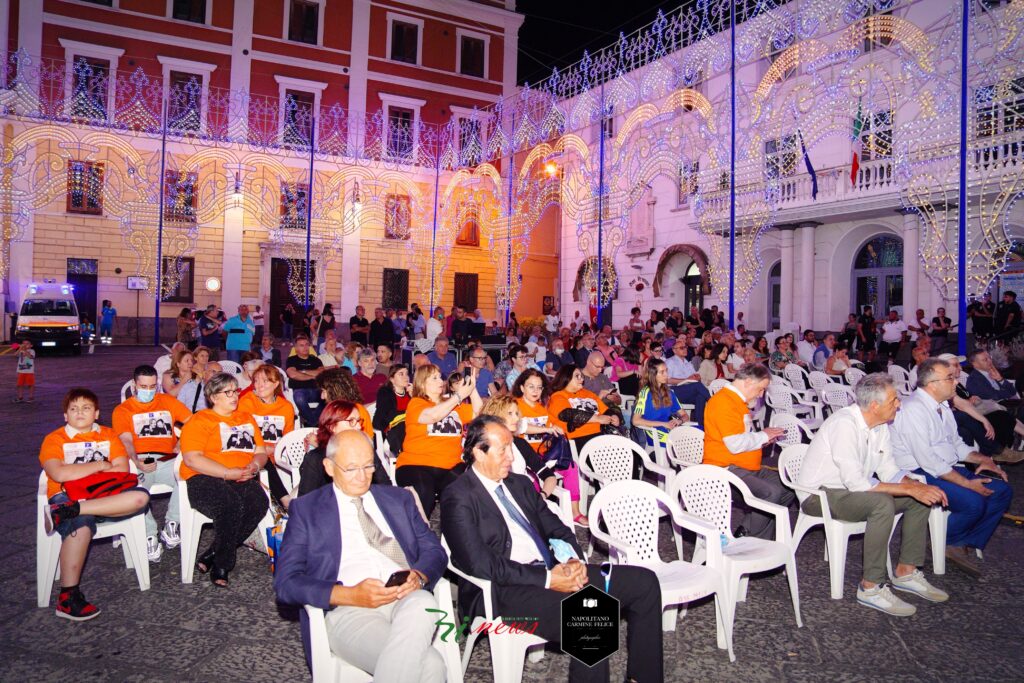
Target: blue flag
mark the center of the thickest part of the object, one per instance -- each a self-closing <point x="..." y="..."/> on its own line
<point x="810" y="168"/>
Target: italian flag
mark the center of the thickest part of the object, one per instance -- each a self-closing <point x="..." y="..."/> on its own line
<point x="858" y="125"/>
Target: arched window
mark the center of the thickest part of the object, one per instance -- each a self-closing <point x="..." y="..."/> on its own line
<point x="877" y="277"/>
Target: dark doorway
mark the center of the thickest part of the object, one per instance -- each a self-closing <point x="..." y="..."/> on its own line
<point x="82" y="276"/>
<point x="281" y="294"/>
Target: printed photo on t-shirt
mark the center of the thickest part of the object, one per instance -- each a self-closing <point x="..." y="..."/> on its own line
<point x="78" y="452"/>
<point x="541" y="421"/>
<point x="271" y="427"/>
<point x="237" y="438"/>
<point x="449" y="426"/>
<point x="152" y="424"/>
<point x="584" y="404"/>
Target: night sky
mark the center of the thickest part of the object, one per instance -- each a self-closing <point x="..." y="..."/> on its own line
<point x="556" y="32"/>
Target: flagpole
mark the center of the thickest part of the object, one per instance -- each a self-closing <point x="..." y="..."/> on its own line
<point x="961" y="290"/>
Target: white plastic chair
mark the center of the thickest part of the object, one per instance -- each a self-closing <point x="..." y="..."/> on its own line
<point x="192" y="522"/>
<point x="717" y="385"/>
<point x="507" y="648"/>
<point x="705" y="492"/>
<point x="818" y="381"/>
<point x="231" y="367"/>
<point x="133" y="545"/>
<point x="127" y="391"/>
<point x="795" y="428"/>
<point x="162" y="364"/>
<point x="837" y="396"/>
<point x="685" y="446"/>
<point x="289" y="452"/>
<point x="901" y="378"/>
<point x="330" y="668"/>
<point x="631" y="511"/>
<point x="853" y="375"/>
<point x="784" y="400"/>
<point x="797" y="377"/>
<point x="609" y="458"/>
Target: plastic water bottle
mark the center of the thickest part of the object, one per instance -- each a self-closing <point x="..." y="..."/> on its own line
<point x="724" y="539"/>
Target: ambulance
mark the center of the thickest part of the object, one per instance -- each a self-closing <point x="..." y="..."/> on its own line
<point x="48" y="317"/>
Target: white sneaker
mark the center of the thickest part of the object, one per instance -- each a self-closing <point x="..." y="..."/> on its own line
<point x="882" y="599"/>
<point x="170" y="535"/>
<point x="917" y="584"/>
<point x="153" y="548"/>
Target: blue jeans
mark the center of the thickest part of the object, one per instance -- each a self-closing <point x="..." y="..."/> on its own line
<point x="235" y="355"/>
<point x="974" y="518"/>
<point x="696" y="394"/>
<point x="303" y="397"/>
<point x="286" y="331"/>
<point x="106" y="329"/>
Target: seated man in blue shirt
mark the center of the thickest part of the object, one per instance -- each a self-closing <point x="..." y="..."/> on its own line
<point x="925" y="440"/>
<point x="477" y="358"/>
<point x="441" y="358"/>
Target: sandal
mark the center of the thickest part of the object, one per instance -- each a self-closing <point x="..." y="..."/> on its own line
<point x="219" y="577"/>
<point x="205" y="562"/>
<point x="581" y="520"/>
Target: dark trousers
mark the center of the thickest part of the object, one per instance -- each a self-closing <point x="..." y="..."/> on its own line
<point x="972" y="431"/>
<point x="428" y="482"/>
<point x="235" y="508"/>
<point x="888" y="349"/>
<point x="277" y="487"/>
<point x="303" y="397"/>
<point x="639" y="596"/>
<point x="696" y="394"/>
<point x="973" y="519"/>
<point x="766" y="485"/>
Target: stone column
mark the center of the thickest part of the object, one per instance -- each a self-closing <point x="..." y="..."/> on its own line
<point x="805" y="308"/>
<point x="231" y="272"/>
<point x="351" y="279"/>
<point x="241" y="64"/>
<point x="911" y="264"/>
<point x="786" y="284"/>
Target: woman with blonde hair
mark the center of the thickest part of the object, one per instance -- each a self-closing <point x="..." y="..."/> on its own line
<point x="181" y="372"/>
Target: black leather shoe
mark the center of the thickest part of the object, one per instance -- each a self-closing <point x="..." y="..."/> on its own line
<point x="205" y="562"/>
<point x="219" y="577"/>
<point x="740" y="532"/>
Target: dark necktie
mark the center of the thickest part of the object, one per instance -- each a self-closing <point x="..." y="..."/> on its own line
<point x="377" y="539"/>
<point x="519" y="519"/>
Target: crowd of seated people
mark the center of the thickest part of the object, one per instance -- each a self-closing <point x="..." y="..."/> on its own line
<point x="466" y="441"/>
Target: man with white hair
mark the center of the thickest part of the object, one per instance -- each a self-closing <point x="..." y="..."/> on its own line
<point x="850" y="458"/>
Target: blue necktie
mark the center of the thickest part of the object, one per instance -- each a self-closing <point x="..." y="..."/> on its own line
<point x="518" y="518"/>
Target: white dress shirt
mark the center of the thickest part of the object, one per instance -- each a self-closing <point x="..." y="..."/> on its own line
<point x="359" y="560"/>
<point x="805" y="350"/>
<point x="924" y="436"/>
<point x="679" y="368"/>
<point x="847" y="454"/>
<point x="749" y="440"/>
<point x="524" y="550"/>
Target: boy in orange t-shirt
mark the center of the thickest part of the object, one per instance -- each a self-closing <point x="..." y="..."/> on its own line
<point x="145" y="425"/>
<point x="80" y="448"/>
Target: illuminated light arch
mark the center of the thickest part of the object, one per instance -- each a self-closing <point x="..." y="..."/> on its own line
<point x="608" y="272"/>
<point x="900" y="30"/>
<point x="691" y="100"/>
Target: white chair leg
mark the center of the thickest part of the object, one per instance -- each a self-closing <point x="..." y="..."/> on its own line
<point x="937" y="520"/>
<point x="190" y="531"/>
<point x="668" y="618"/>
<point x="467" y="651"/>
<point x="803" y="525"/>
<point x="508" y="656"/>
<point x="535" y="655"/>
<point x="138" y="543"/>
<point x="127" y="551"/>
<point x="794" y="589"/>
<point x="723" y="623"/>
<point x="741" y="595"/>
<point x="47" y="559"/>
<point x="837" y="564"/>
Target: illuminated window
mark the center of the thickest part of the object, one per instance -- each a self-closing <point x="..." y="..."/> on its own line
<point x="396" y="217"/>
<point x="180" y="196"/>
<point x="294" y="205"/>
<point x="85" y="187"/>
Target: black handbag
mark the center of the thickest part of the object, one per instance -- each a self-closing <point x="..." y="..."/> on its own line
<point x="557" y="449"/>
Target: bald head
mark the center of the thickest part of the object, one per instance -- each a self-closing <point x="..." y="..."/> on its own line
<point x="349" y="462"/>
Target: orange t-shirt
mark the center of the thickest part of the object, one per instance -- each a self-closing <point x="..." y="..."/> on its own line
<point x="581" y="400"/>
<point x="726" y="414"/>
<point x="102" y="444"/>
<point x="367" y="420"/>
<point x="433" y="445"/>
<point x="151" y="424"/>
<point x="536" y="416"/>
<point x="274" y="419"/>
<point x="230" y="441"/>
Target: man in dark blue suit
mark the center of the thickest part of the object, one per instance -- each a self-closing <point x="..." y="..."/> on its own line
<point x="499" y="529"/>
<point x="342" y="544"/>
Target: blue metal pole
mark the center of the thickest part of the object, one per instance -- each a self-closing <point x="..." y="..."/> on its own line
<point x="511" y="199"/>
<point x="433" y="236"/>
<point x="732" y="168"/>
<point x="160" y="229"/>
<point x="961" y="293"/>
<point x="600" y="211"/>
<point x="309" y="203"/>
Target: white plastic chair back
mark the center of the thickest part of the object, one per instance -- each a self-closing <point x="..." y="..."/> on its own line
<point x="290" y="451"/>
<point x="790" y="461"/>
<point x="779" y="380"/>
<point x="837" y="396"/>
<point x="717" y="385"/>
<point x="913" y="377"/>
<point x="705" y="492"/>
<point x="795" y="429"/>
<point x="371" y="408"/>
<point x="779" y="398"/>
<point x="232" y="368"/>
<point x="609" y="458"/>
<point x="162" y="364"/>
<point x="818" y="380"/>
<point x="854" y="375"/>
<point x="685" y="446"/>
<point x="631" y="513"/>
<point x="901" y="378"/>
<point x="127" y="390"/>
<point x="796" y="375"/>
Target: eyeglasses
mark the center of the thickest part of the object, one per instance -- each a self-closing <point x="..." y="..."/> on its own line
<point x="478" y="357"/>
<point x="943" y="379"/>
<point x="353" y="471"/>
<point x="230" y="392"/>
<point x="355" y="421"/>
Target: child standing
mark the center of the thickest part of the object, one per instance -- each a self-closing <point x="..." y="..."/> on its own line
<point x="26" y="372"/>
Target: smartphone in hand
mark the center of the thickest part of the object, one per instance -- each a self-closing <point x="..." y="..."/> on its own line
<point x="398" y="578"/>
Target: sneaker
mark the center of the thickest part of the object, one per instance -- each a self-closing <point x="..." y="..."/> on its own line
<point x="72" y="605"/>
<point x="59" y="513"/>
<point x="1009" y="457"/>
<point x="170" y="535"/>
<point x="960" y="558"/>
<point x="153" y="548"/>
<point x="882" y="599"/>
<point x="917" y="584"/>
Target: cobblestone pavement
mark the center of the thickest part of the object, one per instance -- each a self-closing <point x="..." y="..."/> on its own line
<point x="176" y="632"/>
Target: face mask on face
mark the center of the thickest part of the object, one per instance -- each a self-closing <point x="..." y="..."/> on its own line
<point x="145" y="395"/>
